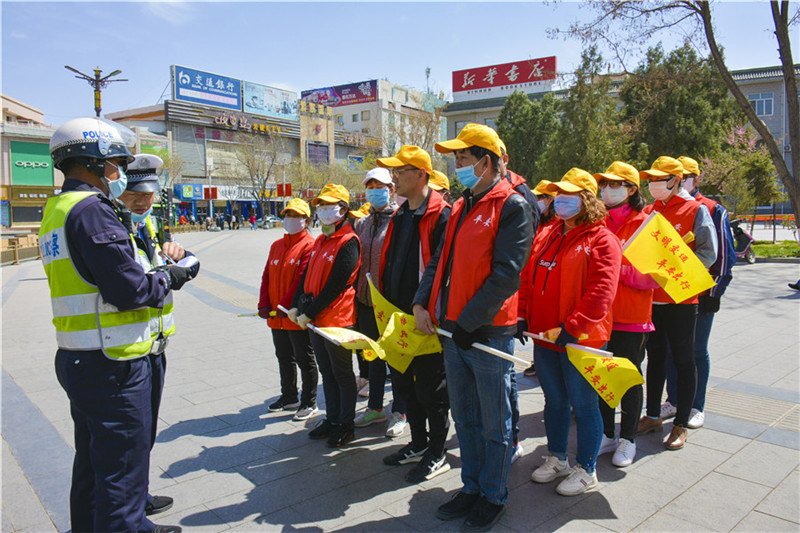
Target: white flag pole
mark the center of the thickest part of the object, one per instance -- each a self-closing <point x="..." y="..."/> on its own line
<point x="314" y="328"/>
<point x="488" y="349"/>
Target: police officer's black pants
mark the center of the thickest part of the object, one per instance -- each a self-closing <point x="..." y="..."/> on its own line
<point x="110" y="403"/>
<point x="424" y="388"/>
<point x="293" y="350"/>
<point x="338" y="381"/>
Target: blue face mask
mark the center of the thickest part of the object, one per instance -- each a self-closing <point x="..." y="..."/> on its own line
<point x="542" y="206"/>
<point x="467" y="177"/>
<point x="378" y="197"/>
<point x="137" y="218"/>
<point x="567" y="206"/>
<point x="118" y="186"/>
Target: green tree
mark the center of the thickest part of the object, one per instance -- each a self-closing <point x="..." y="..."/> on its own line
<point x="589" y="135"/>
<point x="526" y="128"/>
<point x="676" y="104"/>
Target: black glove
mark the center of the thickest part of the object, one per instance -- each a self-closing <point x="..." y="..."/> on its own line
<point x="565" y="338"/>
<point x="522" y="325"/>
<point x="464" y="338"/>
<point x="709" y="304"/>
<point x="178" y="275"/>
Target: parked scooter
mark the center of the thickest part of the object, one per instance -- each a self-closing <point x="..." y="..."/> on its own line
<point x="744" y="242"/>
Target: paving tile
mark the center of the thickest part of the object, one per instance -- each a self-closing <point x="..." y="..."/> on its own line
<point x="781" y="437"/>
<point x="761" y="462"/>
<point x="682" y="468"/>
<point x="703" y="504"/>
<point x="285" y="519"/>
<point x="759" y="522"/>
<point x="21" y="507"/>
<point x="197" y="518"/>
<point x="566" y="522"/>
<point x="783" y="501"/>
<point x="717" y="440"/>
<point x="666" y="522"/>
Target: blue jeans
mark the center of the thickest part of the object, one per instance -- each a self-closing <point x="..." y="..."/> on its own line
<point x="702" y="361"/>
<point x="479" y="386"/>
<point x="563" y="386"/>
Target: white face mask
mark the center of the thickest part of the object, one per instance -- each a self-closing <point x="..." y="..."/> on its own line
<point x="660" y="190"/>
<point x="294" y="225"/>
<point x="329" y="214"/>
<point x="688" y="185"/>
<point x="614" y="197"/>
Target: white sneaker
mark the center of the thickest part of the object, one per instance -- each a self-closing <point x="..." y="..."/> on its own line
<point x="305" y="412"/>
<point x="626" y="452"/>
<point x="668" y="410"/>
<point x="607" y="445"/>
<point x="696" y="419"/>
<point x="518" y="452"/>
<point x="396" y="425"/>
<point x="578" y="481"/>
<point x="552" y="468"/>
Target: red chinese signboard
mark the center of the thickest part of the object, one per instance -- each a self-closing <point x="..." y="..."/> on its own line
<point x="516" y="73"/>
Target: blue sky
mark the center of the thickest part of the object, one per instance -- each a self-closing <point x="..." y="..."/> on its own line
<point x="299" y="45"/>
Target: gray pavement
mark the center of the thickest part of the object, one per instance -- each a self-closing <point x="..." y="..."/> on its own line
<point x="232" y="465"/>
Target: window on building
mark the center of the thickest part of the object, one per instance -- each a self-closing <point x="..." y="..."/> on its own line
<point x="761" y="103"/>
<point x="340" y="120"/>
<point x="399" y="95"/>
<point x="355" y="117"/>
<point x="364" y="116"/>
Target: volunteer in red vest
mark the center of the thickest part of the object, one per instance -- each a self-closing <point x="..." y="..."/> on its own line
<point x="632" y="309"/>
<point x="722" y="272"/>
<point x="520" y="185"/>
<point x="413" y="235"/>
<point x="439" y="182"/>
<point x="567" y="291"/>
<point x="287" y="260"/>
<point x="326" y="297"/>
<point x="371" y="231"/>
<point x="675" y="321"/>
<point x="470" y="290"/>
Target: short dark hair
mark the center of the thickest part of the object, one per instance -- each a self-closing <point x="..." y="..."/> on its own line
<point x="480" y="153"/>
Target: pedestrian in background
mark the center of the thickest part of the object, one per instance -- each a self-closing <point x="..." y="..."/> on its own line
<point x="287" y="260"/>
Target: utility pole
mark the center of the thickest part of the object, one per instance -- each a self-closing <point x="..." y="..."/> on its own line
<point x="97" y="82"/>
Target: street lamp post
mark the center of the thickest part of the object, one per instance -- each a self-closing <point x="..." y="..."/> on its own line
<point x="99" y="83"/>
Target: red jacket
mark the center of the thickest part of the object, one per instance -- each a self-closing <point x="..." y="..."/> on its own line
<point x="286" y="263"/>
<point x="426" y="226"/>
<point x="516" y="179"/>
<point x="342" y="312"/>
<point x="631" y="306"/>
<point x="681" y="214"/>
<point x="587" y="262"/>
<point x="472" y="248"/>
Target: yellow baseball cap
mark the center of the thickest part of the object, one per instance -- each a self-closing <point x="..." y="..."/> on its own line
<point x="361" y="212"/>
<point x="575" y="180"/>
<point x="332" y="193"/>
<point x="690" y="166"/>
<point x="472" y="135"/>
<point x="620" y="171"/>
<point x="438" y="181"/>
<point x="541" y="188"/>
<point x="662" y="167"/>
<point x="299" y="206"/>
<point x="408" y="155"/>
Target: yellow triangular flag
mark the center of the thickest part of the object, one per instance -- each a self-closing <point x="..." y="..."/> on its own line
<point x="611" y="377"/>
<point x="353" y="340"/>
<point x="657" y="249"/>
<point x="383" y="307"/>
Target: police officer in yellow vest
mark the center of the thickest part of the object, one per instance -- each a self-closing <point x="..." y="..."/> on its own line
<point x="138" y="198"/>
<point x="105" y="309"/>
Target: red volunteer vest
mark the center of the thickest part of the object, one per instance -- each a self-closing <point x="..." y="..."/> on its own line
<point x="426" y="226"/>
<point x="472" y="248"/>
<point x="284" y="259"/>
<point x="342" y="312"/>
<point x="631" y="306"/>
<point x="681" y="214"/>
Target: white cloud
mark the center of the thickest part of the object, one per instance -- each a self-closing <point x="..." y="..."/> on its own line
<point x="176" y="12"/>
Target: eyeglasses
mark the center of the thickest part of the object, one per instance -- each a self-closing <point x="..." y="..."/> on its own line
<point x="613" y="184"/>
<point x="397" y="171"/>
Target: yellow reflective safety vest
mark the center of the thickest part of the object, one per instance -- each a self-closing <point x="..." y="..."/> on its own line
<point x="83" y="320"/>
<point x="162" y="320"/>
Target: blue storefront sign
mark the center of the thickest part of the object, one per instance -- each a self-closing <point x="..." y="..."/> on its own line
<point x="206" y="88"/>
<point x="188" y="191"/>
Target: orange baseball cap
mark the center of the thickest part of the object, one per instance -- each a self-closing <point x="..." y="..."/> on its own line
<point x="575" y="180"/>
<point x="332" y="193"/>
<point x="620" y="171"/>
<point x="408" y="155"/>
<point x="473" y="135"/>
<point x="662" y="167"/>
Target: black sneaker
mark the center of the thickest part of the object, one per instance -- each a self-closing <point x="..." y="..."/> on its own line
<point x="530" y="371"/>
<point x="483" y="516"/>
<point x="283" y="404"/>
<point x="157" y="504"/>
<point x="166" y="529"/>
<point x="430" y="467"/>
<point x="340" y="436"/>
<point x="322" y="431"/>
<point x="405" y="455"/>
<point x="461" y="505"/>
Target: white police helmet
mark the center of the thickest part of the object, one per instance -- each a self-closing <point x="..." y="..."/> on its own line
<point x="142" y="173"/>
<point x="90" y="138"/>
